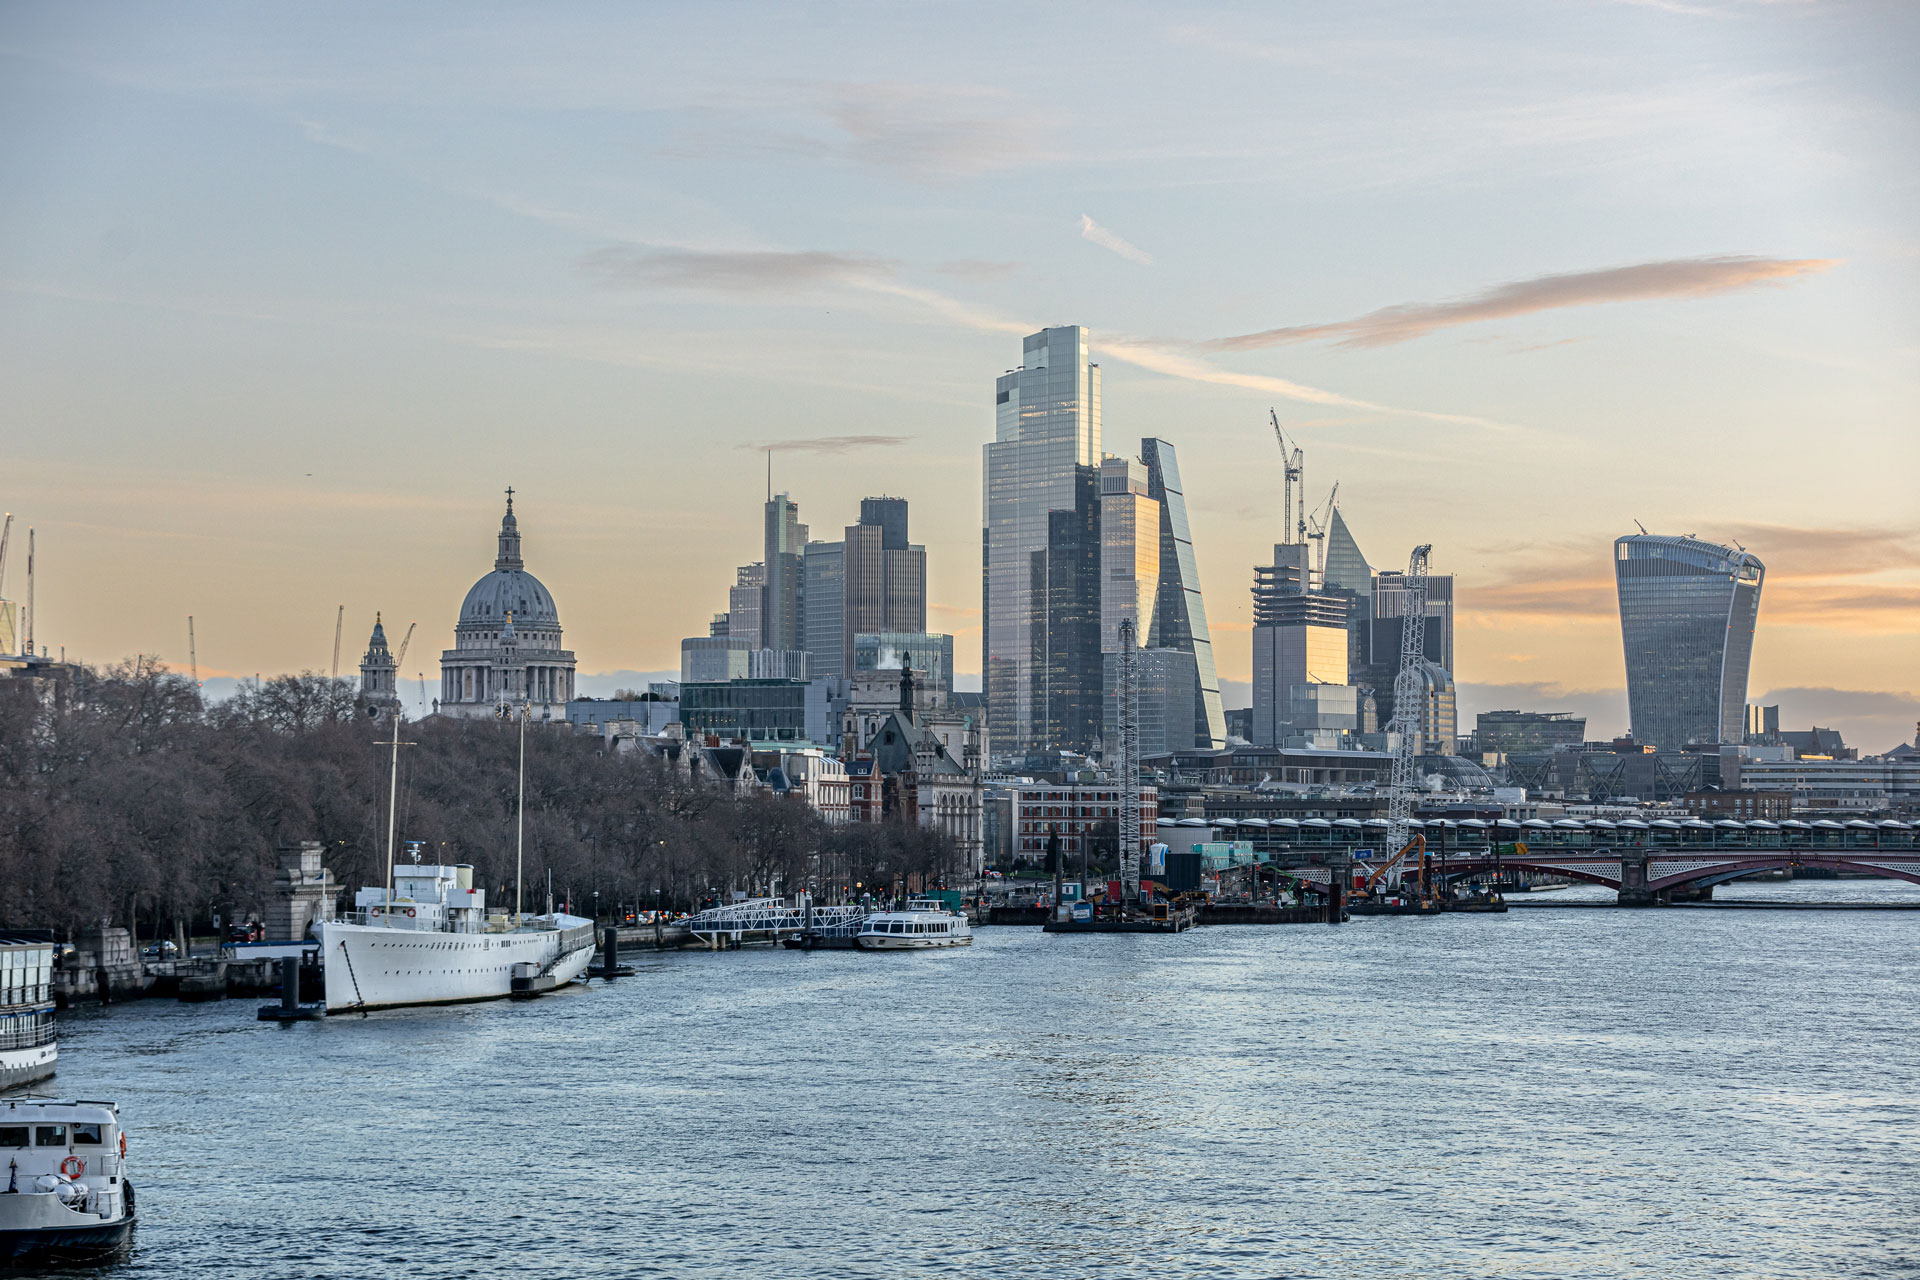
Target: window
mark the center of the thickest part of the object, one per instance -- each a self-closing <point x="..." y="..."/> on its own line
<point x="86" y="1135"/>
<point x="50" y="1135"/>
<point x="13" y="1135"/>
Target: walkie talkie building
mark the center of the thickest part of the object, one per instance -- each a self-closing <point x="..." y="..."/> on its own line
<point x="1687" y="613"/>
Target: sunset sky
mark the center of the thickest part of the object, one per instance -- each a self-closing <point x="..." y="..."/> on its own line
<point x="288" y="295"/>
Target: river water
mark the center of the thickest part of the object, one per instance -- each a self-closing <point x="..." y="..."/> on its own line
<point x="1551" y="1093"/>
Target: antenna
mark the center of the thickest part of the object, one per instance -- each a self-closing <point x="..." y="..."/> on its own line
<point x="1642" y="528"/>
<point x="28" y="624"/>
<point x="193" y="655"/>
<point x="338" y="618"/>
<point x="769" y="473"/>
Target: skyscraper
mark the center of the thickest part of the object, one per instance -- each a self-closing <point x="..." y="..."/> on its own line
<point x="823" y="606"/>
<point x="1687" y="615"/>
<point x="1129" y="552"/>
<point x="1041" y="464"/>
<point x="885" y="576"/>
<point x="780" y="620"/>
<point x="1299" y="638"/>
<point x="1179" y="614"/>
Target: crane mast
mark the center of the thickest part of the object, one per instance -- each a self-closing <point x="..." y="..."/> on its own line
<point x="339" y="617"/>
<point x="1293" y="463"/>
<point x="1128" y="774"/>
<point x="1408" y="699"/>
<point x="1321" y="523"/>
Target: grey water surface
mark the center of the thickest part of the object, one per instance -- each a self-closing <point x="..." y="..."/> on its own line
<point x="1554" y="1093"/>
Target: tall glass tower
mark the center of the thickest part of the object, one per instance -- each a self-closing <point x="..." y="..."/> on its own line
<point x="1180" y="616"/>
<point x="1687" y="614"/>
<point x="1041" y="516"/>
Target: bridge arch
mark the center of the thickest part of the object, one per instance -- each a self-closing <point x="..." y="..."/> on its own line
<point x="1833" y="860"/>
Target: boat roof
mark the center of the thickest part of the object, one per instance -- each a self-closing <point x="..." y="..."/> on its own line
<point x="89" y="1110"/>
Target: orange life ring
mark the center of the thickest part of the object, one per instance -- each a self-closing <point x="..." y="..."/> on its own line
<point x="73" y="1166"/>
<point x="123" y="1144"/>
<point x="409" y="913"/>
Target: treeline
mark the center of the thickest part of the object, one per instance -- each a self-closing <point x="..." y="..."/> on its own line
<point x="126" y="798"/>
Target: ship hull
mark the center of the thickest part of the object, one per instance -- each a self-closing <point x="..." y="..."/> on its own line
<point x="24" y="1066"/>
<point x="370" y="967"/>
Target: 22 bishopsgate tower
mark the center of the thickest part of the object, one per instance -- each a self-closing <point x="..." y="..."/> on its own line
<point x="1075" y="541"/>
<point x="1687" y="613"/>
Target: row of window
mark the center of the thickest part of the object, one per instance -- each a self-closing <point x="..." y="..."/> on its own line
<point x="51" y="1135"/>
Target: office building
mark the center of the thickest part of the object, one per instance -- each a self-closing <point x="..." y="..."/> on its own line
<point x="1509" y="733"/>
<point x="885" y="576"/>
<point x="710" y="659"/>
<point x="743" y="604"/>
<point x="1129" y="552"/>
<point x="930" y="657"/>
<point x="1687" y="615"/>
<point x="1299" y="637"/>
<point x="784" y="536"/>
<point x="1179" y="614"/>
<point x="1040" y="548"/>
<point x="1166" y="687"/>
<point x="1348" y="574"/>
<point x="763" y="710"/>
<point x="823" y="605"/>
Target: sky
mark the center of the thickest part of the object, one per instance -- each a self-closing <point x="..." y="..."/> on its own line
<point x="289" y="295"/>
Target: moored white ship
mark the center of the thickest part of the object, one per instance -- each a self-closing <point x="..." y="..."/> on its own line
<point x="926" y="922"/>
<point x="28" y="1050"/>
<point x="431" y="942"/>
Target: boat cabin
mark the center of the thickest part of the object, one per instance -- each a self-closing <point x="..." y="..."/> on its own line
<point x="72" y="1151"/>
<point x="426" y="896"/>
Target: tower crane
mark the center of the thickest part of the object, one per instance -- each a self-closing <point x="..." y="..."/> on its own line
<point x="338" y="618"/>
<point x="193" y="654"/>
<point x="1408" y="701"/>
<point x="1321" y="523"/>
<point x="12" y="639"/>
<point x="1293" y="462"/>
<point x="6" y="534"/>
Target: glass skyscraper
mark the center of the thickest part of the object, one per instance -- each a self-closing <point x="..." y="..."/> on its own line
<point x="1687" y="614"/>
<point x="1179" y="615"/>
<point x="1041" y="523"/>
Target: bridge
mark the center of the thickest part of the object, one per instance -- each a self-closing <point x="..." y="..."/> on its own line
<point x="769" y="920"/>
<point x="1645" y="862"/>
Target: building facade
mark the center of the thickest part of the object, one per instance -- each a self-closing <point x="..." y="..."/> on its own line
<point x="1081" y="814"/>
<point x="1524" y="732"/>
<point x="1299" y="638"/>
<point x="1180" y="614"/>
<point x="379" y="686"/>
<point x="508" y="646"/>
<point x="1687" y="614"/>
<point x="1040" y="548"/>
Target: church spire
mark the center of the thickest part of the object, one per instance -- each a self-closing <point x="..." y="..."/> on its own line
<point x="509" y="539"/>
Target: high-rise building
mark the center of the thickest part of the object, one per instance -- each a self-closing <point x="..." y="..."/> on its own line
<point x="1687" y="615"/>
<point x="1348" y="574"/>
<point x="784" y="536"/>
<point x="1165" y="688"/>
<point x="1299" y="638"/>
<point x="1041" y="546"/>
<point x="1512" y="733"/>
<point x="1179" y="614"/>
<point x="1129" y="552"/>
<point x="885" y="576"/>
<point x="743" y="604"/>
<point x="823" y="606"/>
<point x="1390" y="607"/>
<point x="918" y="651"/>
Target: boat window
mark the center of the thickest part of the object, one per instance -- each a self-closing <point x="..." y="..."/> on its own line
<point x="13" y="1135"/>
<point x="86" y="1135"/>
<point x="896" y="927"/>
<point x="49" y="1135"/>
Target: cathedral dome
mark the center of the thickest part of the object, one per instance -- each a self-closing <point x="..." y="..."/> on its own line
<point x="509" y="589"/>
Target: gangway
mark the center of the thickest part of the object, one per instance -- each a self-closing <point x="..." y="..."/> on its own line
<point x="768" y="919"/>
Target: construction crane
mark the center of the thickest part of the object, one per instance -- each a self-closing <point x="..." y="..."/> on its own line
<point x="1409" y="700"/>
<point x="338" y="618"/>
<point x="1128" y="774"/>
<point x="1293" y="462"/>
<point x="193" y="654"/>
<point x="423" y="693"/>
<point x="12" y="638"/>
<point x="1321" y="523"/>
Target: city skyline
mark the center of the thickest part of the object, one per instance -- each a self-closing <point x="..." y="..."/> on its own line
<point x="241" y="404"/>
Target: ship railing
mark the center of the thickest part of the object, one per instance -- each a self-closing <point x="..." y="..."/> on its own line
<point x="28" y="1037"/>
<point x="398" y="919"/>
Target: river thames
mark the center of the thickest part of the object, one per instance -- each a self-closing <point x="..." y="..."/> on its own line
<point x="1552" y="1093"/>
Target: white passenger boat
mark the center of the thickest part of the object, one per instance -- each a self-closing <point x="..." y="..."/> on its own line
<point x="66" y="1196"/>
<point x="431" y="941"/>
<point x="28" y="1050"/>
<point x="926" y="922"/>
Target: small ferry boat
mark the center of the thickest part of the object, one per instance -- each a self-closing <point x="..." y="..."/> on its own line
<point x="926" y="922"/>
<point x="66" y="1198"/>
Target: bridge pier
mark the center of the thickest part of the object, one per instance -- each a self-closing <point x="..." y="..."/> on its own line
<point x="1688" y="893"/>
<point x="1633" y="882"/>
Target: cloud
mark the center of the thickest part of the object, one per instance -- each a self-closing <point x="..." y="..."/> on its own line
<point x="739" y="271"/>
<point x="826" y="444"/>
<point x="1091" y="230"/>
<point x="1682" y="278"/>
<point x="976" y="269"/>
